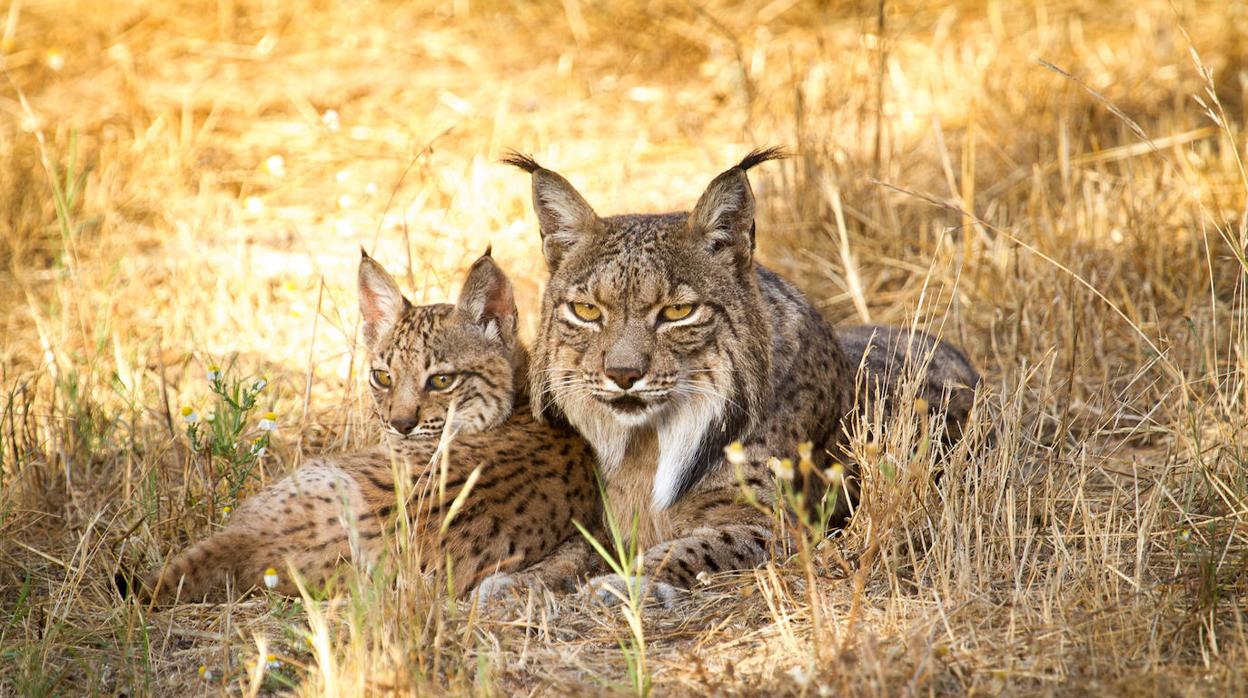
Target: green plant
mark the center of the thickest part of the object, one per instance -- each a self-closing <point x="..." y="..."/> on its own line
<point x="624" y="560"/>
<point x="225" y="435"/>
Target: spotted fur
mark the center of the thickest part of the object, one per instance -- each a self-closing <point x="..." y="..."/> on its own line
<point x="535" y="478"/>
<point x="658" y="398"/>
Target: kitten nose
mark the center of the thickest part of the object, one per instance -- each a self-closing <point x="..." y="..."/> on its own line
<point x="403" y="425"/>
<point x="624" y="376"/>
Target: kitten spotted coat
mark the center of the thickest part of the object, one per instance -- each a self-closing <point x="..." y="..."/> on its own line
<point x="535" y="479"/>
<point x="662" y="341"/>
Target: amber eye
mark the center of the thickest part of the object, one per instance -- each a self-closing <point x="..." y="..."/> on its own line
<point x="380" y="379"/>
<point x="679" y="311"/>
<point x="441" y="381"/>
<point x="587" y="311"/>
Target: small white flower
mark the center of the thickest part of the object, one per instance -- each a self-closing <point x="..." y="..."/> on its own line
<point x="703" y="578"/>
<point x="272" y="663"/>
<point x="205" y="673"/>
<point x="270" y="578"/>
<point x="782" y="469"/>
<point x="799" y="676"/>
<point x="735" y="453"/>
<point x="276" y="165"/>
<point x="253" y="204"/>
<point x="214" y="373"/>
<point x="330" y="120"/>
<point x="55" y="59"/>
<point x="210" y="417"/>
<point x="189" y="415"/>
<point x="259" y="384"/>
<point x="835" y="474"/>
<point x="226" y="510"/>
<point x="805" y="450"/>
<point x="258" y="447"/>
<point x="269" y="423"/>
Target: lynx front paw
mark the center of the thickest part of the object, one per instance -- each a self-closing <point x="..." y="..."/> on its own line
<point x="611" y="589"/>
<point x="496" y="587"/>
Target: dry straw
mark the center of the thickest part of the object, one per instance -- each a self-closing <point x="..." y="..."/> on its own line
<point x="1055" y="185"/>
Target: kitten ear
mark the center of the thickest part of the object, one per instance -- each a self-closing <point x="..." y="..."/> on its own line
<point x="724" y="215"/>
<point x="487" y="299"/>
<point x="563" y="215"/>
<point x="381" y="301"/>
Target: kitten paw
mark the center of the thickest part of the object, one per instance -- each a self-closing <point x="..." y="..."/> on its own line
<point x="496" y="587"/>
<point x="612" y="589"/>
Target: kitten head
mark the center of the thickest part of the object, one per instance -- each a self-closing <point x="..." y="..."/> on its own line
<point x="423" y="359"/>
<point x="653" y="321"/>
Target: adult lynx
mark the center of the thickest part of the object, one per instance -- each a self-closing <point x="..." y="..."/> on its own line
<point x="662" y="341"/>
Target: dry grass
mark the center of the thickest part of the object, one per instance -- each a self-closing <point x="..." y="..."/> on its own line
<point x="185" y="186"/>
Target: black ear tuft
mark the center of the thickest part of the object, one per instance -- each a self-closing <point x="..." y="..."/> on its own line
<point x="760" y="155"/>
<point x="525" y="162"/>
<point x="563" y="215"/>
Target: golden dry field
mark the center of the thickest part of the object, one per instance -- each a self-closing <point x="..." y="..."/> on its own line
<point x="1056" y="185"/>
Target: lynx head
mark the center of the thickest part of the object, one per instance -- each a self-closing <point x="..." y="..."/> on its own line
<point x="424" y="358"/>
<point x="654" y="322"/>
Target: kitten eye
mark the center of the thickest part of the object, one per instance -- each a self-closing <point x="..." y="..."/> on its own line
<point x="677" y="311"/>
<point x="587" y="311"/>
<point x="380" y="379"/>
<point x="441" y="381"/>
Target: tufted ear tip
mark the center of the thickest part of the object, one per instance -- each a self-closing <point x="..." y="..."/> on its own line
<point x="760" y="155"/>
<point x="525" y="162"/>
<point x="724" y="215"/>
<point x="563" y="215"/>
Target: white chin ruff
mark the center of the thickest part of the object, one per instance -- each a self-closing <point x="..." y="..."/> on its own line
<point x="680" y="433"/>
<point x="680" y="429"/>
<point x="636" y="419"/>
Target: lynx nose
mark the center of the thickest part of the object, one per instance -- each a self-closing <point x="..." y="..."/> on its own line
<point x="625" y="376"/>
<point x="402" y="425"/>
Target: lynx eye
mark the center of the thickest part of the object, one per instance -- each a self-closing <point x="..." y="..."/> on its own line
<point x="380" y="379"/>
<point x="441" y="381"/>
<point x="678" y="311"/>
<point x="587" y="312"/>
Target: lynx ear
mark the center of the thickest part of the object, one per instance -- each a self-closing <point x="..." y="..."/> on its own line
<point x="381" y="302"/>
<point x="724" y="215"/>
<point x="487" y="299"/>
<point x="563" y="215"/>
